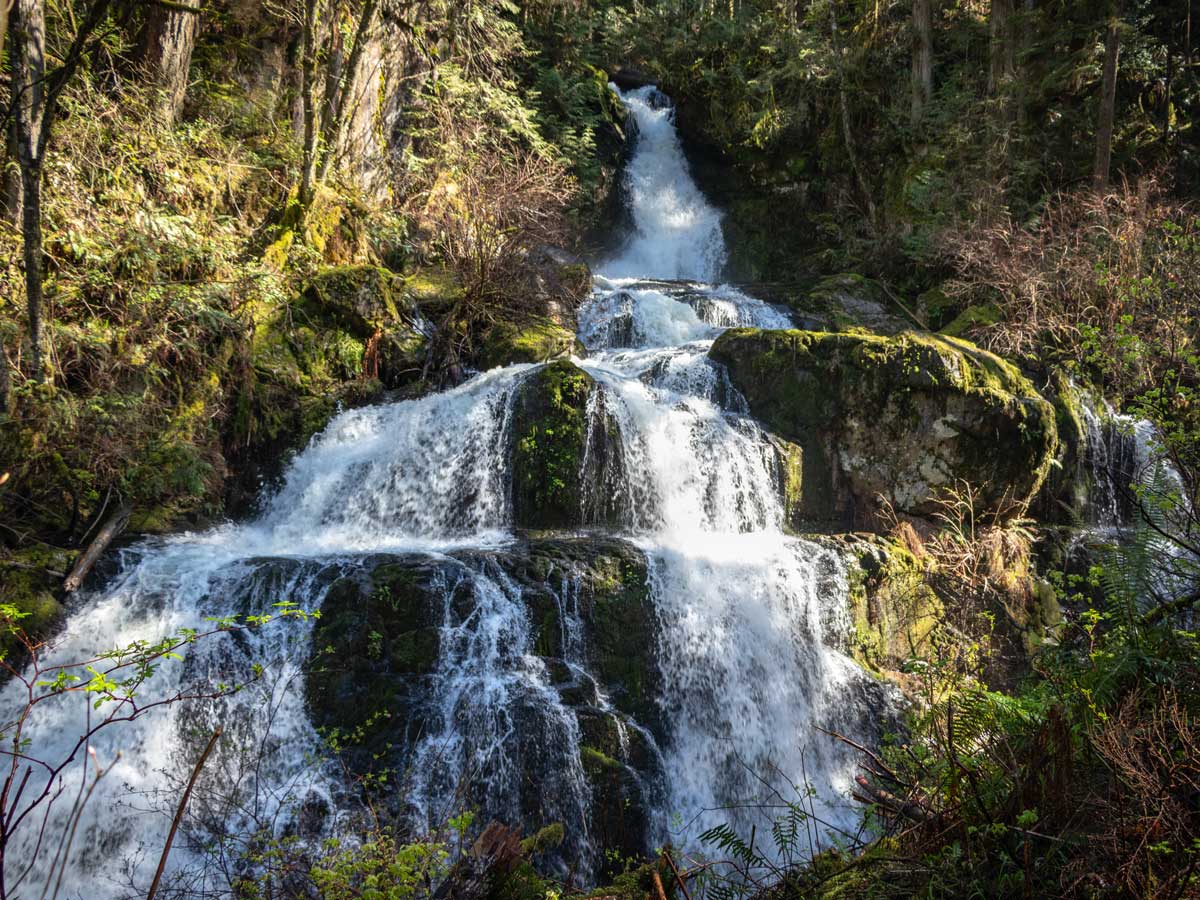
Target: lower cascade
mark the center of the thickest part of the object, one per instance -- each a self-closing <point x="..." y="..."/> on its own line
<point x="656" y="658"/>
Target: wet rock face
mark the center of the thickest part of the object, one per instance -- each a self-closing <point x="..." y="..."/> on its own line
<point x="549" y="424"/>
<point x="900" y="417"/>
<point x="388" y="633"/>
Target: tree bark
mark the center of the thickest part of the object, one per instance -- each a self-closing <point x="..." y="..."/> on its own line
<point x="1108" y="102"/>
<point x="308" y="101"/>
<point x="28" y="89"/>
<point x="165" y="50"/>
<point x="1002" y="61"/>
<point x="922" y="59"/>
<point x="1028" y="78"/>
<point x="844" y="104"/>
<point x="339" y="92"/>
<point x="11" y="185"/>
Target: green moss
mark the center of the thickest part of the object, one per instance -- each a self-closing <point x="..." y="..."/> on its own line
<point x="534" y="341"/>
<point x="30" y="581"/>
<point x="549" y="430"/>
<point x="596" y="761"/>
<point x="972" y="318"/>
<point x="907" y="414"/>
<point x="431" y="286"/>
<point x="547" y="838"/>
<point x="363" y="299"/>
<point x="893" y="608"/>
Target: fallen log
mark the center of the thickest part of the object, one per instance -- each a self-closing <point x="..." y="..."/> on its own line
<point x="897" y="805"/>
<point x="114" y="526"/>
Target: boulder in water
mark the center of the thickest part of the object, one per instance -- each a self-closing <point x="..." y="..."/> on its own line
<point x="901" y="417"/>
<point x="549" y="430"/>
<point x="534" y="339"/>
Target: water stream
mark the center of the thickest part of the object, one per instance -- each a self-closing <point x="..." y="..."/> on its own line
<point x="747" y="618"/>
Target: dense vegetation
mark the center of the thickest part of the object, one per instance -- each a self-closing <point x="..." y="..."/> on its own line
<point x="226" y="220"/>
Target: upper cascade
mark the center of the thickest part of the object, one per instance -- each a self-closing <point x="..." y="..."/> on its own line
<point x="677" y="233"/>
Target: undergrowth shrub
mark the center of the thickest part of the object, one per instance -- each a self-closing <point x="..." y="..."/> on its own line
<point x="1111" y="280"/>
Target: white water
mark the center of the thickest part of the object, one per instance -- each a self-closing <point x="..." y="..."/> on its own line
<point x="1130" y="479"/>
<point x="747" y="616"/>
<point x="677" y="234"/>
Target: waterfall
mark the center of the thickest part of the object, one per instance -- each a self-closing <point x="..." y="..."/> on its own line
<point x="1124" y="456"/>
<point x="747" y="618"/>
<point x="677" y="233"/>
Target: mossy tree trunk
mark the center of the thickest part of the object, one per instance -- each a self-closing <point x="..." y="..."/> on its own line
<point x="165" y="50"/>
<point x="324" y="118"/>
<point x="35" y="94"/>
<point x="922" y="60"/>
<point x="308" y="99"/>
<point x="1108" y="101"/>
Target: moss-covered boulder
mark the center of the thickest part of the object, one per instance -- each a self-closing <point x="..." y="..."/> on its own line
<point x="374" y="648"/>
<point x="362" y="299"/>
<point x="608" y="578"/>
<point x="900" y="417"/>
<point x="534" y="339"/>
<point x="549" y="432"/>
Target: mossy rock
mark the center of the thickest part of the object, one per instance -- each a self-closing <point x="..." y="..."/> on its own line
<point x="376" y="651"/>
<point x="901" y="417"/>
<point x="613" y="596"/>
<point x="972" y="320"/>
<point x="362" y="299"/>
<point x="30" y="581"/>
<point x="535" y="340"/>
<point x="893" y="609"/>
<point x="614" y="759"/>
<point x="1064" y="497"/>
<point x="374" y="647"/>
<point x="549" y="431"/>
<point x="432" y="290"/>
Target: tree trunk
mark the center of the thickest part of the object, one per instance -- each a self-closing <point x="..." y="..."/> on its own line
<point x="1028" y="78"/>
<point x="922" y="59"/>
<point x="308" y="100"/>
<point x="1108" y="102"/>
<point x="1002" y="54"/>
<point x="28" y="87"/>
<point x="31" y="235"/>
<point x="165" y="49"/>
<point x="844" y="104"/>
<point x="340" y="91"/>
<point x="11" y="185"/>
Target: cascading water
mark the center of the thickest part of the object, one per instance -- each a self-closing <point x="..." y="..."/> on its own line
<point x="1124" y="457"/>
<point x="747" y="618"/>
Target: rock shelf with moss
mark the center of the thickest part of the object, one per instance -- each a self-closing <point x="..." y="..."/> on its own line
<point x="900" y="417"/>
